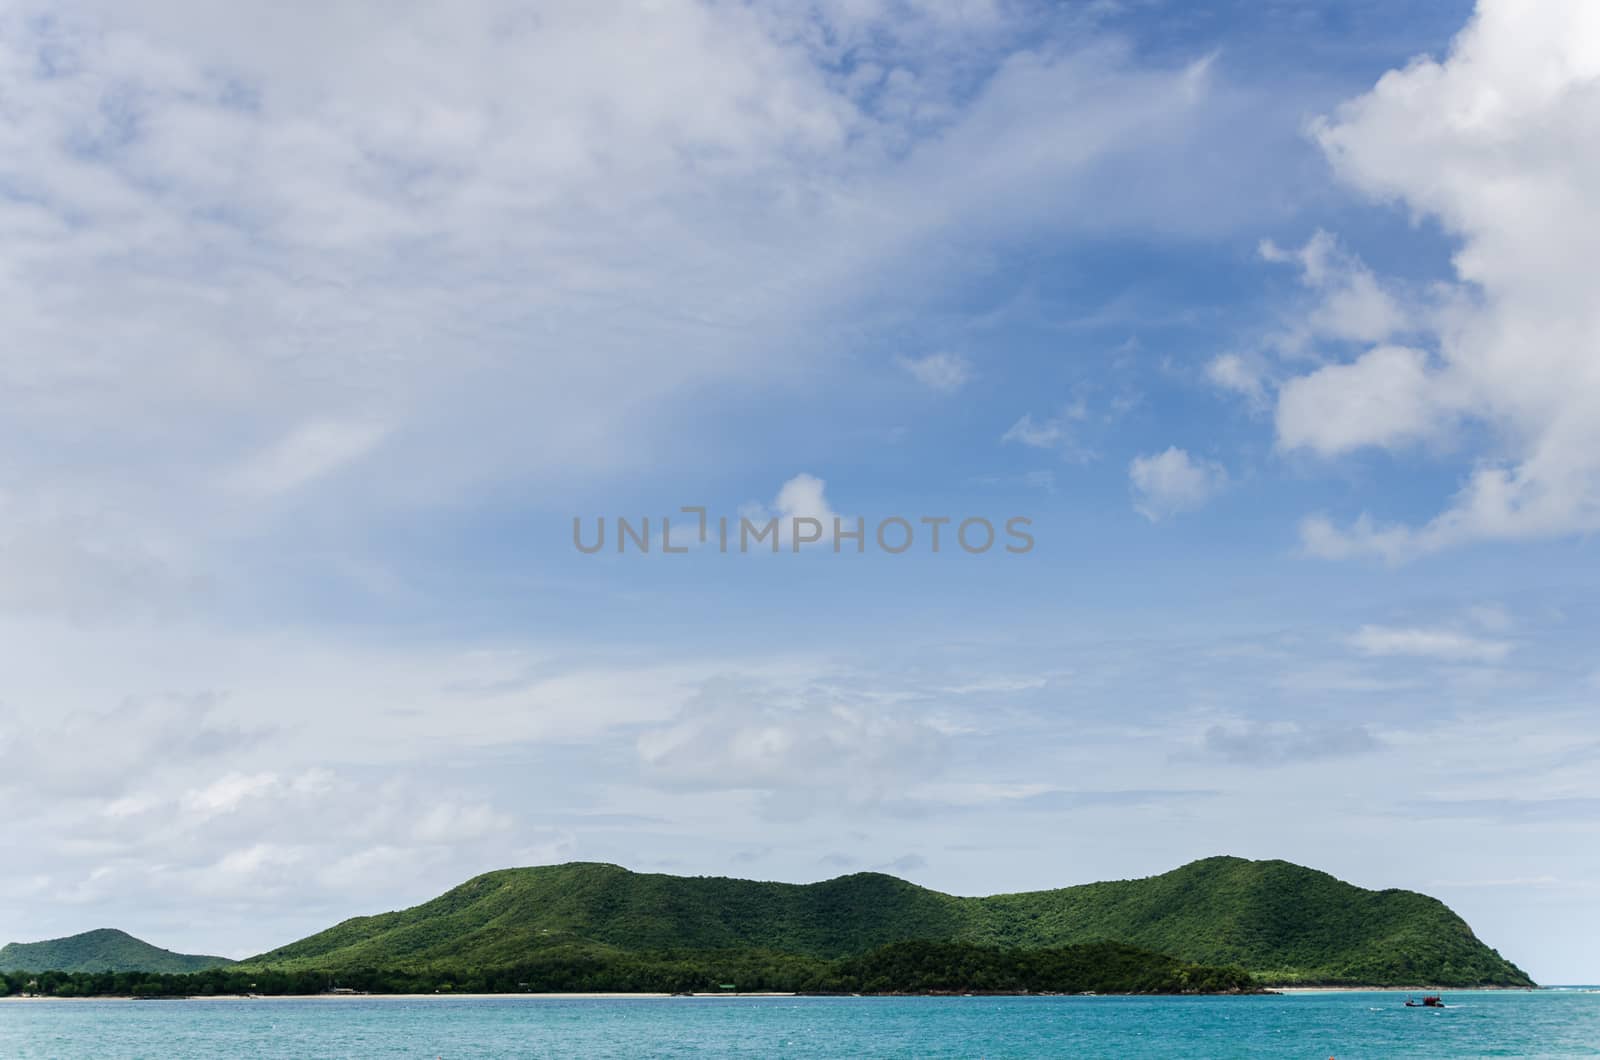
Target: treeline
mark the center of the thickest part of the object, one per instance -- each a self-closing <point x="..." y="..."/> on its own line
<point x="899" y="968"/>
<point x="1101" y="967"/>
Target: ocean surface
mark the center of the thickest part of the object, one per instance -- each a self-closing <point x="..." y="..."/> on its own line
<point x="1348" y="1026"/>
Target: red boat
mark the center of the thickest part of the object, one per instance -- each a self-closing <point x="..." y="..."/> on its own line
<point x="1429" y="1001"/>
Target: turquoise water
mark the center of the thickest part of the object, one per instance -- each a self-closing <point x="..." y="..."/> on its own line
<point x="1347" y="1026"/>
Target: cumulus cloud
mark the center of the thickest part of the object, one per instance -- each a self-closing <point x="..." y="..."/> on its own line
<point x="804" y="497"/>
<point x="944" y="372"/>
<point x="1493" y="142"/>
<point x="1170" y="482"/>
<point x="802" y="511"/>
<point x="1242" y="375"/>
<point x="1387" y="397"/>
<point x="1351" y="304"/>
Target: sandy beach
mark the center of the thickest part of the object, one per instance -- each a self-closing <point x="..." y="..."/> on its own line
<point x="1389" y="989"/>
<point x="395" y="997"/>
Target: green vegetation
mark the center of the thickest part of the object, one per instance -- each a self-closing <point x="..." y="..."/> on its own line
<point x="501" y="917"/>
<point x="1100" y="967"/>
<point x="903" y="967"/>
<point x="102" y="950"/>
<point x="1284" y="923"/>
<point x="1209" y="926"/>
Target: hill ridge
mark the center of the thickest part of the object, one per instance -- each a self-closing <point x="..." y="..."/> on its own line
<point x="99" y="950"/>
<point x="1282" y="922"/>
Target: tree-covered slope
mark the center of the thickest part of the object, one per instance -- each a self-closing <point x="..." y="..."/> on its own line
<point x="500" y="917"/>
<point x="101" y="950"/>
<point x="1280" y="921"/>
<point x="1283" y="922"/>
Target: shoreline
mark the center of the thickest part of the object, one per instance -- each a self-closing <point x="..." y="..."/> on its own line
<point x="1267" y="992"/>
<point x="1398" y="989"/>
<point x="394" y="997"/>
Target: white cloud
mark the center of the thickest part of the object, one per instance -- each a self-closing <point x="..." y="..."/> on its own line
<point x="944" y="372"/>
<point x="801" y="498"/>
<point x="1242" y="375"/>
<point x="1353" y="305"/>
<point x="1045" y="434"/>
<point x="1387" y="397"/>
<point x="804" y="497"/>
<point x="1444" y="644"/>
<point x="1493" y="142"/>
<point x="1170" y="482"/>
<point x="1056" y="433"/>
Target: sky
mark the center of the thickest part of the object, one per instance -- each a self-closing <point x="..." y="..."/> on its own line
<point x="325" y="324"/>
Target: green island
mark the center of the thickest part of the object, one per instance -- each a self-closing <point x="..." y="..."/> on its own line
<point x="1220" y="925"/>
<point x="103" y="949"/>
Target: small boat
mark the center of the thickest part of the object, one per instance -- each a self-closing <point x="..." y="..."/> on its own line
<point x="1428" y="1001"/>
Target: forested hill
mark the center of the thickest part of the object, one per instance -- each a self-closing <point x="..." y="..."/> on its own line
<point x="101" y="950"/>
<point x="1282" y="922"/>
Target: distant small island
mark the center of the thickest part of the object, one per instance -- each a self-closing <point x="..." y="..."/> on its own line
<point x="101" y="950"/>
<point x="1220" y="925"/>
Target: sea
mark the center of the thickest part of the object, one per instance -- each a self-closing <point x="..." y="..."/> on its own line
<point x="1346" y="1026"/>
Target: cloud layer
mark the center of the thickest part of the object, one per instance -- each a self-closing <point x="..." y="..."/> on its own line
<point x="1492" y="143"/>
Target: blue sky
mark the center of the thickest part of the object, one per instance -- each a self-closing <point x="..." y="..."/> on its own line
<point x="1274" y="319"/>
